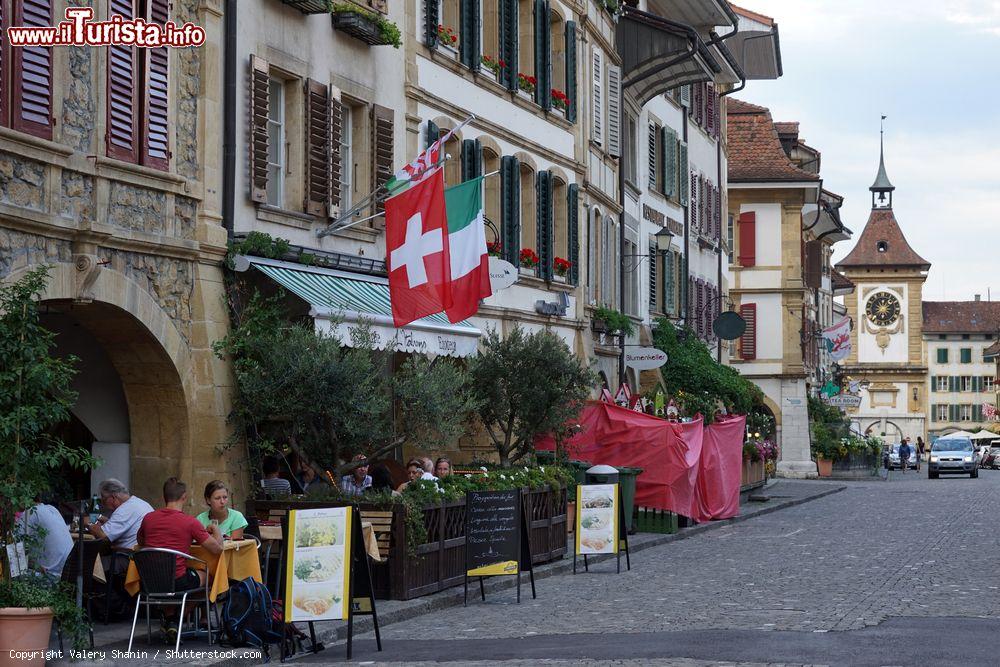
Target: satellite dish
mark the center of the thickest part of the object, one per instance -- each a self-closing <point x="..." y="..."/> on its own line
<point x="729" y="325"/>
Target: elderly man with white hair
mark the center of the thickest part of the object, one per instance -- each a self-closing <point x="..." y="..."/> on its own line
<point x="123" y="514"/>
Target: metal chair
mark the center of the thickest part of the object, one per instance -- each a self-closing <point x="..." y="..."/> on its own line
<point x="92" y="550"/>
<point x="157" y="569"/>
<point x="263" y="550"/>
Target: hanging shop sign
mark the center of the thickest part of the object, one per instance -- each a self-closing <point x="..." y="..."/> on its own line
<point x="503" y="274"/>
<point x="843" y="401"/>
<point x="645" y="358"/>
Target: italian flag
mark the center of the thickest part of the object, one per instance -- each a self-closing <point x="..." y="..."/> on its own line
<point x="469" y="260"/>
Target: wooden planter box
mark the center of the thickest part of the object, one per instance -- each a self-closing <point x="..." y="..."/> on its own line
<point x="754" y="475"/>
<point x="309" y="6"/>
<point x="439" y="562"/>
<point x="358" y="27"/>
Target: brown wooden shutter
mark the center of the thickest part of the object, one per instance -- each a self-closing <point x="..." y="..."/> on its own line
<point x="156" y="94"/>
<point x="122" y="133"/>
<point x="4" y="59"/>
<point x="748" y="238"/>
<point x="814" y="264"/>
<point x="259" y="81"/>
<point x="31" y="73"/>
<point x="748" y="341"/>
<point x="382" y="147"/>
<point x="318" y="162"/>
<point x="337" y="167"/>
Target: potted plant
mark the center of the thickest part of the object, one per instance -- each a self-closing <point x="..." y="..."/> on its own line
<point x="561" y="267"/>
<point x="526" y="84"/>
<point x="36" y="396"/>
<point x="560" y="101"/>
<point x="529" y="261"/>
<point x="492" y="64"/>
<point x="612" y="321"/>
<point x="447" y="37"/>
<point x="309" y="6"/>
<point x="370" y="27"/>
<point x="494" y="249"/>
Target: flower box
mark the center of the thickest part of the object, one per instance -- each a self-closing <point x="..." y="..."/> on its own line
<point x="309" y="6"/>
<point x="359" y="27"/>
<point x="450" y="51"/>
<point x="558" y="279"/>
<point x="754" y="475"/>
<point x="556" y="111"/>
<point x="526" y="271"/>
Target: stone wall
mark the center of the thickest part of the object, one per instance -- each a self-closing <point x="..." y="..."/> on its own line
<point x="79" y="105"/>
<point x="19" y="250"/>
<point x="22" y="182"/>
<point x="141" y="209"/>
<point x="76" y="198"/>
<point x="187" y="76"/>
<point x="169" y="281"/>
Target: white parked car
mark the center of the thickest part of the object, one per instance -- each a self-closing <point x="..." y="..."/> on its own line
<point x="952" y="456"/>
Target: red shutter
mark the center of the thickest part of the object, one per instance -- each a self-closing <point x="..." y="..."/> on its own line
<point x="748" y="239"/>
<point x="814" y="264"/>
<point x="748" y="341"/>
<point x="710" y="102"/>
<point x="317" y="148"/>
<point x="31" y="73"/>
<point x="4" y="59"/>
<point x="259" y="83"/>
<point x="121" y="137"/>
<point x="156" y="94"/>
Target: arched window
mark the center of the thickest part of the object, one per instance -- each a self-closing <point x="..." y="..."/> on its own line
<point x="529" y="229"/>
<point x="560" y="218"/>
<point x="558" y="55"/>
<point x="526" y="38"/>
<point x="491" y="192"/>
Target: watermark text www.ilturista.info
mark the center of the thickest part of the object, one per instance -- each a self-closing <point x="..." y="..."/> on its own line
<point x="79" y="29"/>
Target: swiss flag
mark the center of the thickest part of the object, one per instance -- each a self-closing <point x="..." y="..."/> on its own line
<point x="416" y="230"/>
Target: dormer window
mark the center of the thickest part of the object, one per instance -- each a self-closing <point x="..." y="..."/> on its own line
<point x="882" y="246"/>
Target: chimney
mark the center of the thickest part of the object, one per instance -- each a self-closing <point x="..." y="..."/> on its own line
<point x="979" y="297"/>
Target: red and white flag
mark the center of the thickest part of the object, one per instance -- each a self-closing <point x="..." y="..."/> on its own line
<point x="989" y="411"/>
<point x="416" y="230"/>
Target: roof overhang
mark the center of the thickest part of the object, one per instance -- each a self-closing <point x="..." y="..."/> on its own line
<point x="757" y="52"/>
<point x="731" y="73"/>
<point x="705" y="14"/>
<point x="341" y="303"/>
<point x="812" y="186"/>
<point x="659" y="55"/>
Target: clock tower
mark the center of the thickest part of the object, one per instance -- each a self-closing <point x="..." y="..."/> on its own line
<point x="886" y="309"/>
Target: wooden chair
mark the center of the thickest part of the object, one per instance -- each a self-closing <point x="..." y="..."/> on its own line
<point x="157" y="570"/>
<point x="381" y="521"/>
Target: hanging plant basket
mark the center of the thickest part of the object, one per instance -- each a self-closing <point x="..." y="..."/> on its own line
<point x="359" y="27"/>
<point x="309" y="6"/>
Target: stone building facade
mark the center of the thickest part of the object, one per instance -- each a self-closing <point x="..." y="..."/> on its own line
<point x="121" y="205"/>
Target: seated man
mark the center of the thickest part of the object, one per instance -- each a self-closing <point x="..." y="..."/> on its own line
<point x="170" y="528"/>
<point x="43" y="524"/>
<point x="273" y="484"/>
<point x="122" y="516"/>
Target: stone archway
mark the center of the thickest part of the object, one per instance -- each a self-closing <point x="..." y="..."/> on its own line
<point x="151" y="358"/>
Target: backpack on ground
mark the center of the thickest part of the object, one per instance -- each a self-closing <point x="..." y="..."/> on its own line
<point x="246" y="616"/>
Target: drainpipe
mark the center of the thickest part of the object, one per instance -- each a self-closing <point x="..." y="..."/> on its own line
<point x="725" y="212"/>
<point x="229" y="120"/>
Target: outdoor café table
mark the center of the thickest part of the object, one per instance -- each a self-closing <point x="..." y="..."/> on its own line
<point x="98" y="564"/>
<point x="237" y="561"/>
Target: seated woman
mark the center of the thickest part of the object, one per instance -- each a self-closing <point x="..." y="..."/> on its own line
<point x="414" y="470"/>
<point x="442" y="468"/>
<point x="231" y="522"/>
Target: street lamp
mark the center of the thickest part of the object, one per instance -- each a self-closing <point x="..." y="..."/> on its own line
<point x="664" y="238"/>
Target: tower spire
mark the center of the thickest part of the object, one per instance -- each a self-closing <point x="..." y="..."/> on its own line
<point x="881" y="187"/>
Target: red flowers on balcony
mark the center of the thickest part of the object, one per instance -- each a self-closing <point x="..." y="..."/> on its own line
<point x="561" y="266"/>
<point x="447" y="36"/>
<point x="560" y="100"/>
<point x="529" y="258"/>
<point x="526" y="82"/>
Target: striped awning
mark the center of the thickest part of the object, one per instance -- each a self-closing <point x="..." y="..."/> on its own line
<point x="342" y="302"/>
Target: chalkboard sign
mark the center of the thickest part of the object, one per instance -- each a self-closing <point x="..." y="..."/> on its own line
<point x="492" y="533"/>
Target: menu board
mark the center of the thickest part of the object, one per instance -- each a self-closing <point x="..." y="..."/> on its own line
<point x="492" y="533"/>
<point x="318" y="564"/>
<point x="597" y="519"/>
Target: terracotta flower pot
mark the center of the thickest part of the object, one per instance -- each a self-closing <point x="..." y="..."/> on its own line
<point x="24" y="630"/>
<point x="824" y="466"/>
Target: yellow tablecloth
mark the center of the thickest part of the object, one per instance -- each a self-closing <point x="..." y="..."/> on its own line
<point x="237" y="561"/>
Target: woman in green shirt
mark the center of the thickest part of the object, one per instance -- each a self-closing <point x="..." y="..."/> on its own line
<point x="231" y="522"/>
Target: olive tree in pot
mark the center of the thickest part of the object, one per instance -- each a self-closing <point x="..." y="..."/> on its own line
<point x="35" y="395"/>
<point x="328" y="401"/>
<point x="524" y="385"/>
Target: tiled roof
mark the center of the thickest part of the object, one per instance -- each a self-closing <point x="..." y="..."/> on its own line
<point x="755" y="153"/>
<point x="961" y="316"/>
<point x="785" y="127"/>
<point x="840" y="281"/>
<point x="882" y="244"/>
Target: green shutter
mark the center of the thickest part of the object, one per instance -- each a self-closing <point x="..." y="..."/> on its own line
<point x="571" y="71"/>
<point x="543" y="223"/>
<point x="953" y="413"/>
<point x="951" y="383"/>
<point x="668" y="162"/>
<point x="468" y="45"/>
<point x="977" y="412"/>
<point x="685" y="96"/>
<point x="472" y="159"/>
<point x="543" y="55"/>
<point x="432" y="10"/>
<point x="942" y="355"/>
<point x="683" y="188"/>
<point x="573" y="231"/>
<point x="508" y="43"/>
<point x="933" y="383"/>
<point x="510" y="208"/>
<point x="966" y="355"/>
<point x="433" y="133"/>
<point x="669" y="297"/>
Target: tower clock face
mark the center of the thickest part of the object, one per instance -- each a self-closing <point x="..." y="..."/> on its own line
<point x="882" y="309"/>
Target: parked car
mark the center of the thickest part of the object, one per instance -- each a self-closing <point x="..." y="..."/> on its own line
<point x="911" y="463"/>
<point x="992" y="458"/>
<point x="952" y="456"/>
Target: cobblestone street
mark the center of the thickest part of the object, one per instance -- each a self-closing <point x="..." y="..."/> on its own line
<point x="909" y="547"/>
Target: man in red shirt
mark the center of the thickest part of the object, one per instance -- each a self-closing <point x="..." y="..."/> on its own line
<point x="170" y="528"/>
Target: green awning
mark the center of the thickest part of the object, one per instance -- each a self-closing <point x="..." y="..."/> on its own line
<point x="341" y="302"/>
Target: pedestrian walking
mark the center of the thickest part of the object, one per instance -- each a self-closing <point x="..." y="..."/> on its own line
<point x="920" y="451"/>
<point x="904" y="454"/>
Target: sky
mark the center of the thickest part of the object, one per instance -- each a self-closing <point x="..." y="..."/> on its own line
<point x="931" y="67"/>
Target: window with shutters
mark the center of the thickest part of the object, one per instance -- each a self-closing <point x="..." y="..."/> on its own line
<point x="654" y="275"/>
<point x="941" y="412"/>
<point x="560" y="219"/>
<point x="557" y="56"/>
<point x="631" y="280"/>
<point x="965" y="355"/>
<point x="526" y="37"/>
<point x="26" y="104"/>
<point x="965" y="413"/>
<point x="609" y="262"/>
<point x="730" y="230"/>
<point x="382" y="147"/>
<point x="490" y="29"/>
<point x="965" y="383"/>
<point x="449" y="23"/>
<point x="631" y="149"/>
<point x="747" y="239"/>
<point x="597" y="96"/>
<point x="491" y="192"/>
<point x="138" y="85"/>
<point x="529" y="212"/>
<point x="593" y="235"/>
<point x="988" y="383"/>
<point x="346" y="157"/>
<point x="355" y="158"/>
<point x="452" y="167"/>
<point x="942" y="355"/>
<point x="614" y="97"/>
<point x="276" y="144"/>
<point x="748" y="341"/>
<point x="653" y="155"/>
